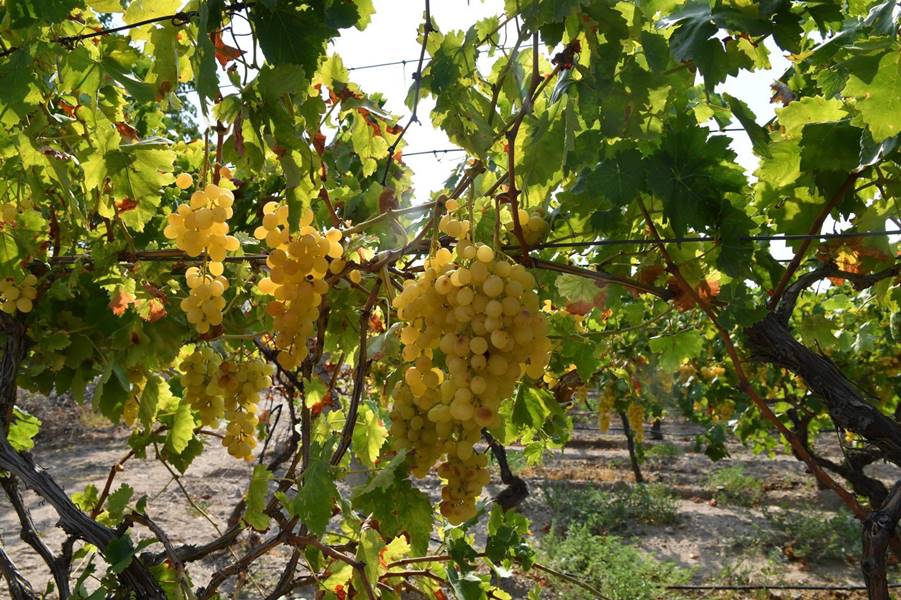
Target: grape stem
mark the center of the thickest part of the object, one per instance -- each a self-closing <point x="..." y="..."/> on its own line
<point x="360" y="371"/>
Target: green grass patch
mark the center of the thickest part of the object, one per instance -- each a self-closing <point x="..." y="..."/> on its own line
<point x="603" y="512"/>
<point x="731" y="485"/>
<point x="617" y="570"/>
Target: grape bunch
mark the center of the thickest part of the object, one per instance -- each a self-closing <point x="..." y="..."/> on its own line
<point x="205" y="304"/>
<point x="18" y="296"/>
<point x="8" y="212"/>
<point x="635" y="417"/>
<point x="606" y="400"/>
<point x="533" y="224"/>
<point x="132" y="406"/>
<point x="217" y="388"/>
<point x="472" y="328"/>
<point x="298" y="264"/>
<point x="241" y="383"/>
<point x="200" y="381"/>
<point x="202" y="226"/>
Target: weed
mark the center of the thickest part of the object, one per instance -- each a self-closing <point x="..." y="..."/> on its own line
<point x="663" y="451"/>
<point x="602" y="511"/>
<point x="619" y="571"/>
<point x="813" y="536"/>
<point x="732" y="486"/>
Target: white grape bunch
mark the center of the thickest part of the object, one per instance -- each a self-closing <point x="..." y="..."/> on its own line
<point x="298" y="265"/>
<point x="472" y="329"/>
<point x="201" y="227"/>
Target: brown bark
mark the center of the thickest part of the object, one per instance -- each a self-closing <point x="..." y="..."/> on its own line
<point x="878" y="531"/>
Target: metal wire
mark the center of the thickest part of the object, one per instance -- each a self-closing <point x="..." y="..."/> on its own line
<point x="694" y="239"/>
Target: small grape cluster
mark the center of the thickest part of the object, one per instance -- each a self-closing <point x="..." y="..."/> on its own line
<point x="200" y="381"/>
<point x="533" y="224"/>
<point x="481" y="314"/>
<point x="298" y="264"/>
<point x="198" y="227"/>
<point x="242" y="383"/>
<point x="205" y="304"/>
<point x="217" y="388"/>
<point x="606" y="400"/>
<point x="138" y="379"/>
<point x="635" y="417"/>
<point x="18" y="296"/>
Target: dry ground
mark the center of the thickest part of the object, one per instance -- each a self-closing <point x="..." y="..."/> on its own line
<point x="707" y="538"/>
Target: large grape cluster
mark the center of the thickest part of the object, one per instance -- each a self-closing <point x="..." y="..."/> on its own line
<point x="298" y="264"/>
<point x="199" y="227"/>
<point x="472" y="328"/>
<point x="18" y="296"/>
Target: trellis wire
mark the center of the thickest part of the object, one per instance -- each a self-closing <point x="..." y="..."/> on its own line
<point x="695" y="239"/>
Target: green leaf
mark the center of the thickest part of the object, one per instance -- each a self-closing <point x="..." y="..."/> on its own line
<point x="611" y="182"/>
<point x="119" y="553"/>
<point x="368" y="436"/>
<point x="313" y="503"/>
<point x="878" y="100"/>
<point x="141" y="10"/>
<point x="577" y="289"/>
<point x="783" y="165"/>
<point x="399" y="507"/>
<point x="813" y="109"/>
<point x="817" y="330"/>
<point x="758" y="135"/>
<point x="23" y="13"/>
<point x="22" y="430"/>
<point x="182" y="429"/>
<point x="156" y="393"/>
<point x="257" y="493"/>
<point x="369" y="552"/>
<point x="117" y="502"/>
<point x="673" y="350"/>
<point x="277" y="28"/>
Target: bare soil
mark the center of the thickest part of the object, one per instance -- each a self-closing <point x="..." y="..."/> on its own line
<point x="708" y="538"/>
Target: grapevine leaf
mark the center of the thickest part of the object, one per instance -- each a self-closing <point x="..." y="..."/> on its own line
<point x="119" y="553"/>
<point x="141" y="10"/>
<point x="673" y="350"/>
<point x="879" y="99"/>
<point x="368" y="436"/>
<point x="117" y="502"/>
<point x="758" y="135"/>
<point x="23" y="13"/>
<point x="22" y="430"/>
<point x="313" y="503"/>
<point x="369" y="553"/>
<point x="182" y="429"/>
<point x="809" y="110"/>
<point x="398" y="506"/>
<point x="254" y="514"/>
<point x="156" y="393"/>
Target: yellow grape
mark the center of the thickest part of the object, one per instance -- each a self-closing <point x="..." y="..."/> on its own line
<point x="18" y="296"/>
